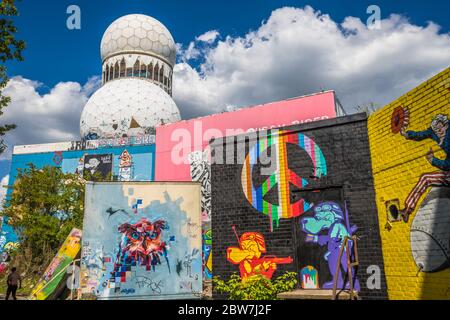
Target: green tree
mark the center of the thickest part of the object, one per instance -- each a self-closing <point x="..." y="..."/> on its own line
<point x="43" y="208"/>
<point x="10" y="49"/>
<point x="257" y="287"/>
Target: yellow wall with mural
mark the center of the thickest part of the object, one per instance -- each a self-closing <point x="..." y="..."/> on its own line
<point x="398" y="165"/>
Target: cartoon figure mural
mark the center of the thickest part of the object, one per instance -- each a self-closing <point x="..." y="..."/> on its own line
<point x="430" y="232"/>
<point x="440" y="133"/>
<point x="249" y="256"/>
<point x="328" y="227"/>
<point x="410" y="143"/>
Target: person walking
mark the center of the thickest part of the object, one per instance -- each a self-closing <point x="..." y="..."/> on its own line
<point x="14" y="282"/>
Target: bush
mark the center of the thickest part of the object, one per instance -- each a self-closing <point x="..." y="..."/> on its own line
<point x="256" y="287"/>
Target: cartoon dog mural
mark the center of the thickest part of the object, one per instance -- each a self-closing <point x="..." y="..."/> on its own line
<point x="249" y="256"/>
<point x="329" y="217"/>
<point x="141" y="245"/>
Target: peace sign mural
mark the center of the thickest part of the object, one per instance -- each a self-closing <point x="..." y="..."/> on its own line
<point x="283" y="176"/>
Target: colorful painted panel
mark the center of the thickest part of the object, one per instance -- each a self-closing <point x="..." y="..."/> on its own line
<point x="142" y="241"/>
<point x="410" y="147"/>
<point x="56" y="270"/>
<point x="282" y="176"/>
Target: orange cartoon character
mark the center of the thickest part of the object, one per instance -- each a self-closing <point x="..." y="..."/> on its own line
<point x="249" y="256"/>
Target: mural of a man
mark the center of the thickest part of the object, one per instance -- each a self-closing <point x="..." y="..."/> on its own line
<point x="440" y="133"/>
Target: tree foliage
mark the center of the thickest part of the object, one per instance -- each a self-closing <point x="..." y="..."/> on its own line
<point x="256" y="287"/>
<point x="44" y="207"/>
<point x="10" y="49"/>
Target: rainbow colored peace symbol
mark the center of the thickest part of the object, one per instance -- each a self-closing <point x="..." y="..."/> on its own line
<point x="282" y="175"/>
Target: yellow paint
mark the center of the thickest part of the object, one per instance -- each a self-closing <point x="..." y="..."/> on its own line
<point x="397" y="165"/>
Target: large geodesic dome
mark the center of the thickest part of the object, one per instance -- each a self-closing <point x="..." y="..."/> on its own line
<point x="138" y="56"/>
<point x="138" y="33"/>
<point x="127" y="107"/>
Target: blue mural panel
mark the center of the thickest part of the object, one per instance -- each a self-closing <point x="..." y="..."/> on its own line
<point x="142" y="241"/>
<point x="71" y="161"/>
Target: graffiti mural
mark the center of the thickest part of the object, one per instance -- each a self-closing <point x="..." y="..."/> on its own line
<point x="328" y="227"/>
<point x="8" y="243"/>
<point x="410" y="147"/>
<point x="56" y="270"/>
<point x="137" y="241"/>
<point x="201" y="171"/>
<point x="98" y="164"/>
<point x="309" y="277"/>
<point x="249" y="256"/>
<point x="125" y="166"/>
<point x="207" y="254"/>
<point x="282" y="177"/>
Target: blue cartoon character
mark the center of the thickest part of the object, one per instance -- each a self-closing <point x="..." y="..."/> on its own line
<point x="327" y="227"/>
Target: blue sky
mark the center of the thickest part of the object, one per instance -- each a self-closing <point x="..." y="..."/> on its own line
<point x="56" y="54"/>
<point x="305" y="52"/>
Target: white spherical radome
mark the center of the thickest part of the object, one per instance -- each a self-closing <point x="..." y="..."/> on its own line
<point x="138" y="33"/>
<point x="127" y="107"/>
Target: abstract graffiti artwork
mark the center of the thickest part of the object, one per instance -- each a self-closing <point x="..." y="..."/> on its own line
<point x="249" y="256"/>
<point x="282" y="177"/>
<point x="310" y="278"/>
<point x="137" y="242"/>
<point x="328" y="227"/>
<point x="55" y="272"/>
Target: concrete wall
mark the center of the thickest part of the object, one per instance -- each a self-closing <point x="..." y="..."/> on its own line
<point x="323" y="165"/>
<point x="416" y="253"/>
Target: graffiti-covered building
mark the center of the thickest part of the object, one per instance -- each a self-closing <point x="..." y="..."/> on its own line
<point x="284" y="199"/>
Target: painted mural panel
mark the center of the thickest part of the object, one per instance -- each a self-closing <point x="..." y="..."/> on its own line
<point x="142" y="241"/>
<point x="410" y="146"/>
<point x="55" y="271"/>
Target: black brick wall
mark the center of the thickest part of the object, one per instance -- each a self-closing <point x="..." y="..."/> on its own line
<point x="344" y="142"/>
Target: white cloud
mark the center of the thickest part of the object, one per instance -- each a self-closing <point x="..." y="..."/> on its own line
<point x="208" y="37"/>
<point x="300" y="51"/>
<point x="51" y="117"/>
<point x="3" y="183"/>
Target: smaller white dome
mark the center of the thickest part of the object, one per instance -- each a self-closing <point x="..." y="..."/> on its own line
<point x="127" y="107"/>
<point x="138" y="33"/>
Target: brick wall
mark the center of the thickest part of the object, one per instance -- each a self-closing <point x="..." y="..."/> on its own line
<point x="333" y="157"/>
<point x="416" y="253"/>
